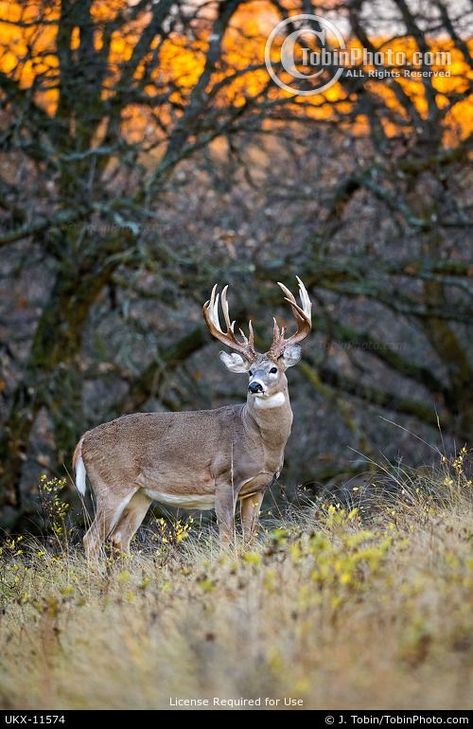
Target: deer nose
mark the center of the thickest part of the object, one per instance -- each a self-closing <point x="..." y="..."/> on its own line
<point x="255" y="387"/>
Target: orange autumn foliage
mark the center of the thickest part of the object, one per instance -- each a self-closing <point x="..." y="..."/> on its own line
<point x="28" y="53"/>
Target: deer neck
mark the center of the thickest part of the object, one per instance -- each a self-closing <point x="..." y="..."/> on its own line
<point x="272" y="417"/>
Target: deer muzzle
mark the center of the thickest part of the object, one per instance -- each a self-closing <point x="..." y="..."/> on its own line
<point x="255" y="387"/>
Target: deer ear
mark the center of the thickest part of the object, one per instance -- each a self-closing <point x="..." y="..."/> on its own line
<point x="234" y="362"/>
<point x="291" y="355"/>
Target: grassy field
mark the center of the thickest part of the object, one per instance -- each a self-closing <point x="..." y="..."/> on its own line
<point x="340" y="608"/>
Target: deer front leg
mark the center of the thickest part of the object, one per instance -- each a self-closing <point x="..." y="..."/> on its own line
<point x="225" y="509"/>
<point x="249" y="512"/>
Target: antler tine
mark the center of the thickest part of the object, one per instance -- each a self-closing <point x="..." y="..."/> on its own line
<point x="228" y="337"/>
<point x="306" y="302"/>
<point x="226" y="314"/>
<point x="211" y="310"/>
<point x="250" y="340"/>
<point x="252" y="334"/>
<point x="289" y="294"/>
<point x="302" y="315"/>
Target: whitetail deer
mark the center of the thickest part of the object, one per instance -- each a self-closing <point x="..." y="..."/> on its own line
<point x="207" y="459"/>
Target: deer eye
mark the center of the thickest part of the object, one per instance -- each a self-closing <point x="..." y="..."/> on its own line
<point x="273" y="370"/>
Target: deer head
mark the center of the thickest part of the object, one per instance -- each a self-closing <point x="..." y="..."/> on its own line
<point x="266" y="371"/>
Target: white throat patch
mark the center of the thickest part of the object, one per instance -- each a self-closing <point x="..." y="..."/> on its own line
<point x="274" y="401"/>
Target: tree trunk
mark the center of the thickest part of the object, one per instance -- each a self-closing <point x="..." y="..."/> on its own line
<point x="52" y="376"/>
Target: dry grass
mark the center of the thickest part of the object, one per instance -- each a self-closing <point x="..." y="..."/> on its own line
<point x="344" y="609"/>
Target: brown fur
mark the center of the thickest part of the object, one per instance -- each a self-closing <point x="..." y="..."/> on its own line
<point x="232" y="453"/>
<point x="77" y="453"/>
<point x="196" y="459"/>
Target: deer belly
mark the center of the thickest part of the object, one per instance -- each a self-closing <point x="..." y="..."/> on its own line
<point x="183" y="501"/>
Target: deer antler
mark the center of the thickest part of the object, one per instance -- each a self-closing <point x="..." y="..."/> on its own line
<point x="211" y="315"/>
<point x="302" y="315"/>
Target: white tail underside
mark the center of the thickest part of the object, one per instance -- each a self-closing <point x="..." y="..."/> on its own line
<point x="80" y="476"/>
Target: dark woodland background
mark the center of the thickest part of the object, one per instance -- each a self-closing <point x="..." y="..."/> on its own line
<point x="146" y="155"/>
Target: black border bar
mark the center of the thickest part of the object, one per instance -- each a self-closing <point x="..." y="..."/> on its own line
<point x="58" y="719"/>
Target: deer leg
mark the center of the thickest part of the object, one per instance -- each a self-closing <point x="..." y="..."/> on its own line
<point x="225" y="503"/>
<point x="249" y="512"/>
<point x="110" y="508"/>
<point x="130" y="521"/>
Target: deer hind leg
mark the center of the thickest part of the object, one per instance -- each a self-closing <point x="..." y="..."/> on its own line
<point x="110" y="507"/>
<point x="249" y="512"/>
<point x="130" y="521"/>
